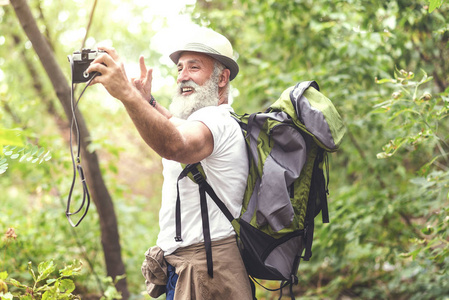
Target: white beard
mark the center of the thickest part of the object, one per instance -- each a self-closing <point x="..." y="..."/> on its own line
<point x="204" y="95"/>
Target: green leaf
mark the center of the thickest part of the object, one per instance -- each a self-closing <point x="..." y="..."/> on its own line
<point x="112" y="293"/>
<point x="428" y="230"/>
<point x="3" y="168"/>
<point x="10" y="137"/>
<point x="45" y="269"/>
<point x="385" y="80"/>
<point x="70" y="270"/>
<point x="50" y="295"/>
<point x="7" y="296"/>
<point x="30" y="269"/>
<point x="3" y="275"/>
<point x="23" y="158"/>
<point x="41" y="151"/>
<point x="107" y="279"/>
<point x="15" y="283"/>
<point x="66" y="286"/>
<point x="434" y="4"/>
<point x="34" y="150"/>
<point x="47" y="156"/>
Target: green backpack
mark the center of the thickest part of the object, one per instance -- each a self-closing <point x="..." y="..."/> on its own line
<point x="286" y="188"/>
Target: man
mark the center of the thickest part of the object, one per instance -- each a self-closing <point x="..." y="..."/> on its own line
<point x="196" y="128"/>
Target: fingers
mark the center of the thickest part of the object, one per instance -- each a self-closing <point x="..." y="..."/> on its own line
<point x="143" y="68"/>
<point x="145" y="75"/>
<point x="102" y="62"/>
<point x="100" y="68"/>
<point x="150" y="75"/>
<point x="111" y="51"/>
<point x="99" y="64"/>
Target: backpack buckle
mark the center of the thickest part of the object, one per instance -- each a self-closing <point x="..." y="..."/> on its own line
<point x="178" y="238"/>
<point x="198" y="177"/>
<point x="294" y="279"/>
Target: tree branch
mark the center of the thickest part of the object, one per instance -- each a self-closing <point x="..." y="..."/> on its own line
<point x="91" y="17"/>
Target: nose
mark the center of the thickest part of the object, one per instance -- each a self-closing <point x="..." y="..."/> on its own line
<point x="183" y="75"/>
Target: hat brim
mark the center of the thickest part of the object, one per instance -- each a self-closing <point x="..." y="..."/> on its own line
<point x="229" y="63"/>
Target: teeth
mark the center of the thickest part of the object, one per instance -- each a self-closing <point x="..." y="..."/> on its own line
<point x="187" y="89"/>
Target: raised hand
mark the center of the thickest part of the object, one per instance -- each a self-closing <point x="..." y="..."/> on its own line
<point x="143" y="84"/>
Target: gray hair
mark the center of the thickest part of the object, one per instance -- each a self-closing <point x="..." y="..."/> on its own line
<point x="218" y="69"/>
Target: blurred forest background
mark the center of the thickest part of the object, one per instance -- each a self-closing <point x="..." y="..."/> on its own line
<point x="384" y="64"/>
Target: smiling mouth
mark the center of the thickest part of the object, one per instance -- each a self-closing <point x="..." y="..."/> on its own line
<point x="187" y="90"/>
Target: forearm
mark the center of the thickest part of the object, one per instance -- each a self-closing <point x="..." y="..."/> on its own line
<point x="166" y="113"/>
<point x="162" y="110"/>
<point x="153" y="125"/>
<point x="171" y="138"/>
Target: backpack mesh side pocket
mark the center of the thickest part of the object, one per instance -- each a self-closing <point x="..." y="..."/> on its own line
<point x="269" y="258"/>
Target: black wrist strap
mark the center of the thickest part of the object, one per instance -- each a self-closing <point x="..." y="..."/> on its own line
<point x="152" y="101"/>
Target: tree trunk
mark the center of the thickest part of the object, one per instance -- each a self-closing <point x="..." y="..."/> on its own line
<point x="100" y="195"/>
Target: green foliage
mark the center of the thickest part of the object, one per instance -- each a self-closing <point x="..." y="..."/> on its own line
<point x="419" y="117"/>
<point x="42" y="286"/>
<point x="46" y="286"/>
<point x="420" y="121"/>
<point x="389" y="183"/>
<point x="434" y="4"/>
<point x="10" y="137"/>
<point x="29" y="153"/>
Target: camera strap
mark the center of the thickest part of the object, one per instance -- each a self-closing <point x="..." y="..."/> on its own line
<point x="76" y="159"/>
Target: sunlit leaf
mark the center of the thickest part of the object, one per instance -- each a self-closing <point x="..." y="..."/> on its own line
<point x="434" y="4"/>
<point x="66" y="286"/>
<point x="10" y="137"/>
<point x="45" y="269"/>
<point x="3" y="275"/>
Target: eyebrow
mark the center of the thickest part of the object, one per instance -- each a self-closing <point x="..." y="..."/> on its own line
<point x="191" y="61"/>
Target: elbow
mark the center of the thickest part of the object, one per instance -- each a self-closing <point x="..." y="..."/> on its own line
<point x="173" y="150"/>
<point x="170" y="155"/>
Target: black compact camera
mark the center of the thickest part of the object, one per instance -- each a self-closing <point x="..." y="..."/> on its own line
<point x="80" y="61"/>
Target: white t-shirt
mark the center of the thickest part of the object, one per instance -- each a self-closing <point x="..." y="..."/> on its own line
<point x="226" y="170"/>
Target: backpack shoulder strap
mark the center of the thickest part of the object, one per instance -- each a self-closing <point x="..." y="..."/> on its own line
<point x="200" y="178"/>
<point x="196" y="173"/>
<point x="317" y="201"/>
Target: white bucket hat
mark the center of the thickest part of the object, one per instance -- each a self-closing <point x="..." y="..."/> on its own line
<point x="207" y="41"/>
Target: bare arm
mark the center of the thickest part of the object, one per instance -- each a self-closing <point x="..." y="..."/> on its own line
<point x="186" y="142"/>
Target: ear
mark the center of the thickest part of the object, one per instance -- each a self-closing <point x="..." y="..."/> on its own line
<point x="224" y="78"/>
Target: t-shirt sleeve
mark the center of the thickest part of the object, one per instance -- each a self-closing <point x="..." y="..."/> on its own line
<point x="217" y="120"/>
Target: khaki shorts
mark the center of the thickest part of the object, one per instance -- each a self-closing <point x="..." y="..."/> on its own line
<point x="230" y="279"/>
